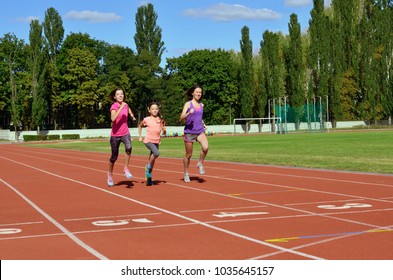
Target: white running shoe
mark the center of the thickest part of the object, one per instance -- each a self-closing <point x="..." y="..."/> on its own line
<point x="201" y="168"/>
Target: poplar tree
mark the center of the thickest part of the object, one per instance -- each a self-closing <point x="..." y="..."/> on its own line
<point x="54" y="33"/>
<point x="383" y="55"/>
<point x="296" y="69"/>
<point x="36" y="66"/>
<point x="273" y="71"/>
<point x="375" y="68"/>
<point x="260" y="91"/>
<point x="319" y="54"/>
<point x="344" y="58"/>
<point x="367" y="79"/>
<point x="149" y="48"/>
<point x="246" y="77"/>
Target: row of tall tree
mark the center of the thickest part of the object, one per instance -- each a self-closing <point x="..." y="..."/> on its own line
<point x="344" y="59"/>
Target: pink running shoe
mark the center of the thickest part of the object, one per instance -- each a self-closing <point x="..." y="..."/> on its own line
<point x="127" y="173"/>
<point x="110" y="181"/>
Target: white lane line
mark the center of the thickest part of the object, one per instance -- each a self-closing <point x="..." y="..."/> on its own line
<point x="318" y="243"/>
<point x="107" y="217"/>
<point x="99" y="231"/>
<point x="279" y="174"/>
<point x="257" y="201"/>
<point x="258" y="182"/>
<point x="58" y="225"/>
<point x="21" y="224"/>
<point x="173" y="214"/>
<point x="385" y="199"/>
<point x="221" y="209"/>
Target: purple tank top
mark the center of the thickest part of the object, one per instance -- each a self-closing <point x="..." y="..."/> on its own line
<point x="194" y="123"/>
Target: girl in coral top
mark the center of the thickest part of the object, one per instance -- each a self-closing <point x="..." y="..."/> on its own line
<point x="155" y="126"/>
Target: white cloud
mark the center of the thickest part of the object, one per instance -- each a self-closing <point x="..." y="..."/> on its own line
<point x="225" y="12"/>
<point x="27" y="19"/>
<point x="92" y="16"/>
<point x="297" y="3"/>
<point x="144" y="3"/>
<point x="304" y="3"/>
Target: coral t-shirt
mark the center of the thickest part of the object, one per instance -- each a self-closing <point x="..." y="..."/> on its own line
<point x="120" y="125"/>
<point x="153" y="129"/>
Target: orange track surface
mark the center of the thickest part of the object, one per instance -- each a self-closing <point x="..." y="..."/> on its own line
<point x="55" y="204"/>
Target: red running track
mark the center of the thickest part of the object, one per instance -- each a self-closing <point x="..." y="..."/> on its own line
<point x="54" y="204"/>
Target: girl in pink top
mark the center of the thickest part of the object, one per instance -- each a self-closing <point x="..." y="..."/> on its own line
<point x="155" y="125"/>
<point x="120" y="132"/>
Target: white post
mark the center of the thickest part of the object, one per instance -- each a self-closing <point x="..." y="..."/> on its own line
<point x="279" y="105"/>
<point x="308" y="116"/>
<point x="268" y="109"/>
<point x="285" y="114"/>
<point x="320" y="112"/>
<point x="327" y="112"/>
<point x="315" y="125"/>
<point x="274" y="115"/>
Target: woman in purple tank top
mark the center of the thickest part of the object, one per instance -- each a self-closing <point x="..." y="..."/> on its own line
<point x="194" y="129"/>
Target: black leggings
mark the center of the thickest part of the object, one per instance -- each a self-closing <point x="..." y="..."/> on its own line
<point x="115" y="144"/>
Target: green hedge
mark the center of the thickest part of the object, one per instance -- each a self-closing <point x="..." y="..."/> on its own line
<point x="28" y="138"/>
<point x="54" y="137"/>
<point x="70" y="136"/>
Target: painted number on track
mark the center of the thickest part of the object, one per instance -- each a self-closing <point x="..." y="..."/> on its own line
<point x="9" y="230"/>
<point x="345" y="206"/>
<point x="238" y="214"/>
<point x="109" y="223"/>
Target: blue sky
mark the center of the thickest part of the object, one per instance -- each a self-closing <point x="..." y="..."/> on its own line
<point x="185" y="24"/>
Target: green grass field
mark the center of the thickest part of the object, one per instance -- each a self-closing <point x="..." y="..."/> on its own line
<point x="365" y="151"/>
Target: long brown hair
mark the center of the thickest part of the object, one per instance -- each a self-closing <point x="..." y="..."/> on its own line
<point x="112" y="94"/>
<point x="191" y="90"/>
<point x="159" y="110"/>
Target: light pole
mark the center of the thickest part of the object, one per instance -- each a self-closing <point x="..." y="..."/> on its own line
<point x="308" y="116"/>
<point x="320" y="112"/>
<point x="268" y="109"/>
<point x="279" y="108"/>
<point x="285" y="114"/>
<point x="274" y="115"/>
<point x="327" y="112"/>
<point x="315" y="117"/>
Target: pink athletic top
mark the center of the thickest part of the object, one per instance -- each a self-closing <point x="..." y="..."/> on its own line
<point x="153" y="130"/>
<point x="120" y="125"/>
